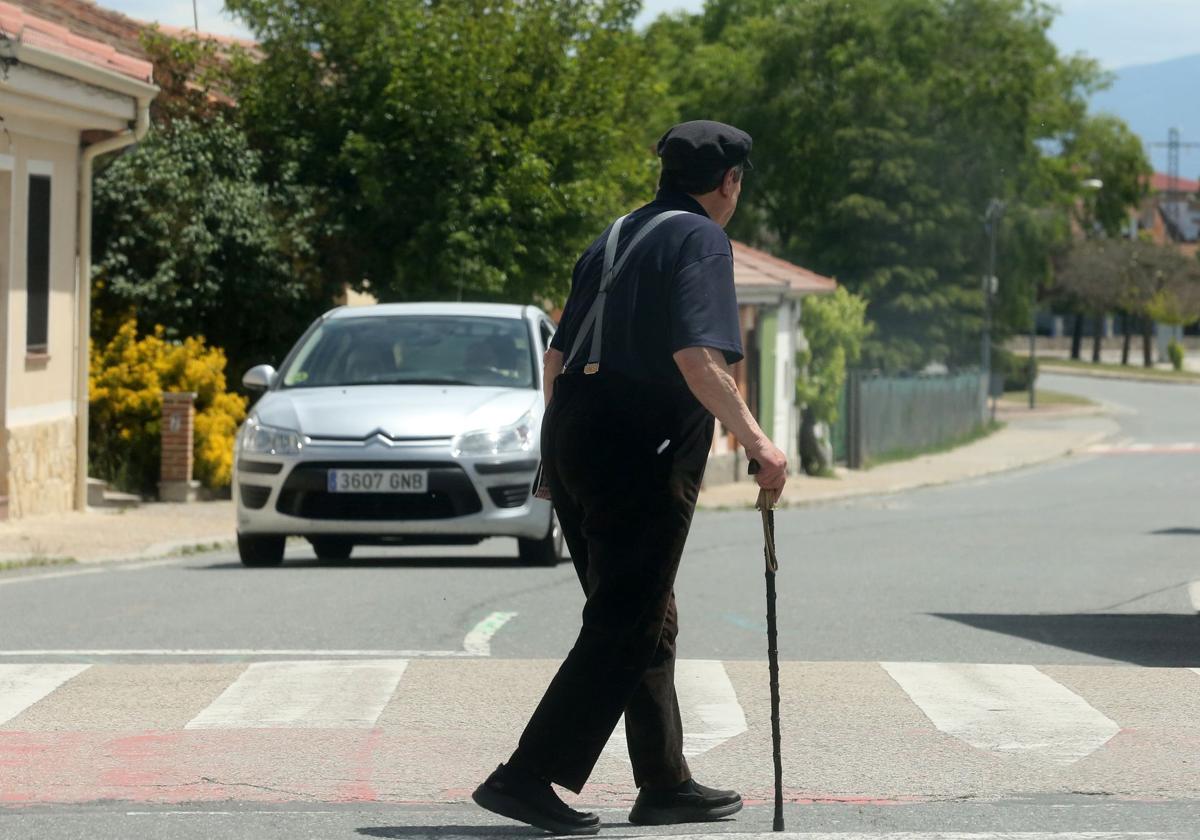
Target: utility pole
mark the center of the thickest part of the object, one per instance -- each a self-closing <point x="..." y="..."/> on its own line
<point x="1175" y="195"/>
<point x="195" y="16"/>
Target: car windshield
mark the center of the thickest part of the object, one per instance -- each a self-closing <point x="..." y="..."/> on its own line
<point x="414" y="350"/>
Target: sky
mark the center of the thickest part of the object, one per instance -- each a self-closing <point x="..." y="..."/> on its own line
<point x="1119" y="33"/>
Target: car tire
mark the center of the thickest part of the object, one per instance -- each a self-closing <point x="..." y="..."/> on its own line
<point x="547" y="551"/>
<point x="258" y="550"/>
<point x="331" y="548"/>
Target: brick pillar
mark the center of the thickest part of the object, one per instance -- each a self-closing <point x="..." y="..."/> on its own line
<point x="178" y="421"/>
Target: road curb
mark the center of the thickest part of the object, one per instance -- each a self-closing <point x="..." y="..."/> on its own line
<point x="1075" y="448"/>
<point x="1044" y="367"/>
<point x="164" y="550"/>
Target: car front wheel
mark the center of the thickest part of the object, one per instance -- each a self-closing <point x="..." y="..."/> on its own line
<point x="260" y="549"/>
<point x="546" y="551"/>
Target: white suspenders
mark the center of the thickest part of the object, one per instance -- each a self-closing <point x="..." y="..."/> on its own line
<point x="594" y="320"/>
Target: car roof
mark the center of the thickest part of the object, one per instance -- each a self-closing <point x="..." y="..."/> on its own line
<point x="486" y="310"/>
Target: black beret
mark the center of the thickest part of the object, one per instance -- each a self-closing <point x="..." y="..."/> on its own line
<point x="704" y="146"/>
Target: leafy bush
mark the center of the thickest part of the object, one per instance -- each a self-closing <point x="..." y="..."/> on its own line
<point x="191" y="234"/>
<point x="127" y="378"/>
<point x="1018" y="371"/>
<point x="835" y="327"/>
<point x="1176" y="352"/>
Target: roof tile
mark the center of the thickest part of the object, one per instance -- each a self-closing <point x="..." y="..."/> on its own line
<point x="31" y="29"/>
<point x="756" y="268"/>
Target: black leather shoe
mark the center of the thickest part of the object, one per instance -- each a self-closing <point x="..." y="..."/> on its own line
<point x="520" y="796"/>
<point x="690" y="802"/>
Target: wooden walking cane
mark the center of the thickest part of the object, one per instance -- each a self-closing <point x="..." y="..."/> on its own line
<point x="766" y="506"/>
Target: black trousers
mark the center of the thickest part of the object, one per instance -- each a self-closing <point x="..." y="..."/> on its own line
<point x="624" y="462"/>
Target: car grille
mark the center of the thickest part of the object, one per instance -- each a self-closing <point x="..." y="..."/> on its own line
<point x="451" y="494"/>
<point x="252" y="496"/>
<point x="509" y="495"/>
<point x="260" y="467"/>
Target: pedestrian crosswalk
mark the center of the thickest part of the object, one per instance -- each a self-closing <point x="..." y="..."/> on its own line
<point x="359" y="729"/>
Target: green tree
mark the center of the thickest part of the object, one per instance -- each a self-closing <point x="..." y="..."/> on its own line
<point x="1103" y="148"/>
<point x="1106" y="149"/>
<point x="882" y="129"/>
<point x="189" y="235"/>
<point x="1144" y="281"/>
<point x="460" y="148"/>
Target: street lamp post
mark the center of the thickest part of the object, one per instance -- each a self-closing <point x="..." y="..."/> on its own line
<point x="1033" y="344"/>
<point x="995" y="210"/>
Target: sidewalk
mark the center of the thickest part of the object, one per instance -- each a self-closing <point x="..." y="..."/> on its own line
<point x="159" y="529"/>
<point x="1028" y="438"/>
<point x="153" y="530"/>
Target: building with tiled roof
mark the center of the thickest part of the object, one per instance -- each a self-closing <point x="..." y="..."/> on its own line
<point x="770" y="293"/>
<point x="65" y="98"/>
<point x="1161" y="183"/>
<point x="759" y="270"/>
<point x="1170" y="214"/>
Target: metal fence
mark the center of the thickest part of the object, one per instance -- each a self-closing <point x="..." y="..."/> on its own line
<point x="882" y="415"/>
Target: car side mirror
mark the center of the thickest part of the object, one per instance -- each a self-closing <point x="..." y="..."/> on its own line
<point x="259" y="378"/>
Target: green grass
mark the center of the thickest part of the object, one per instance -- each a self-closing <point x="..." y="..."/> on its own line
<point x="1132" y="370"/>
<point x="908" y="454"/>
<point x="1045" y="398"/>
<point x="33" y="562"/>
<point x="200" y="548"/>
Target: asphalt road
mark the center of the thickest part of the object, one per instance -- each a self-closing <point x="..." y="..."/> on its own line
<point x="1082" y="568"/>
<point x="1083" y="560"/>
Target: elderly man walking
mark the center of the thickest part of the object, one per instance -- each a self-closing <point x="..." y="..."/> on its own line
<point x="633" y="379"/>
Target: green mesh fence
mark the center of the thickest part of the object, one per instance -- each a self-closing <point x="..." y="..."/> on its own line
<point x="889" y="414"/>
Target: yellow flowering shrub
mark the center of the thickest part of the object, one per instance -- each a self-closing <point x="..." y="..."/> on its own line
<point x="127" y="378"/>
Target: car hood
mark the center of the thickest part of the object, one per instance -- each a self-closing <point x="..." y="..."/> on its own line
<point x="398" y="411"/>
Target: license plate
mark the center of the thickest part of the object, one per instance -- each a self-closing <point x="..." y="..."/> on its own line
<point x="377" y="481"/>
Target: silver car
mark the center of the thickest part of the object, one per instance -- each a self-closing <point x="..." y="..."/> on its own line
<point x="398" y="424"/>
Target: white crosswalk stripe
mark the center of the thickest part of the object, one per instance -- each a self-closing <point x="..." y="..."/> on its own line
<point x="23" y="685"/>
<point x="311" y="695"/>
<point x="708" y="705"/>
<point x="1005" y="709"/>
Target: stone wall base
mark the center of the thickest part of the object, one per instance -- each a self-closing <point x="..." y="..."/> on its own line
<point x="178" y="491"/>
<point x="41" y="468"/>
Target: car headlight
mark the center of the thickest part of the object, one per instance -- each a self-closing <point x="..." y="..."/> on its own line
<point x="515" y="438"/>
<point x="269" y="440"/>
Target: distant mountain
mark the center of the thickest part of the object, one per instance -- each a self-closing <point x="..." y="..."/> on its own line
<point x="1153" y="98"/>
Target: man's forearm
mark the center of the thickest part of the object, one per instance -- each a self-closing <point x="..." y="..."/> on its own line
<point x="708" y="378"/>
<point x="552" y="363"/>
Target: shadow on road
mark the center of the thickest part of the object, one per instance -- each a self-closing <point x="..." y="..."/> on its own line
<point x="451" y="831"/>
<point x="406" y="831"/>
<point x="1149" y="639"/>
<point x="388" y="563"/>
<point x="1177" y="532"/>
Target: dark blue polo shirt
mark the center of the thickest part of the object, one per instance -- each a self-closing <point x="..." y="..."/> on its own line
<point x="675" y="291"/>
